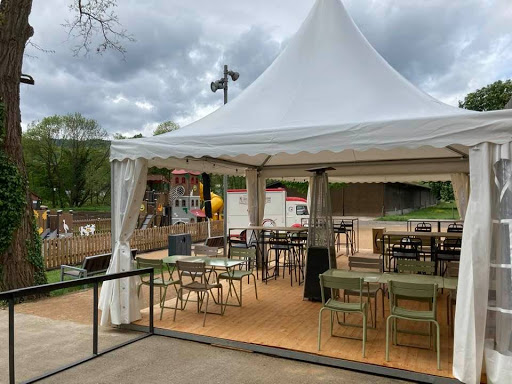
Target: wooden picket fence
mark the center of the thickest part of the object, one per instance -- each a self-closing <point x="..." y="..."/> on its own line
<point x="72" y="250"/>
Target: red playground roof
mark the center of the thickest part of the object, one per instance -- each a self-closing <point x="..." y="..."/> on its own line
<point x="197" y="213"/>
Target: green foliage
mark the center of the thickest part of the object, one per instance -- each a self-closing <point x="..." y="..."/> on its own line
<point x="444" y="210"/>
<point x="67" y="160"/>
<point x="35" y="257"/>
<point x="489" y="98"/>
<point x="166" y="126"/>
<point x="442" y="190"/>
<point x="120" y="136"/>
<point x="12" y="200"/>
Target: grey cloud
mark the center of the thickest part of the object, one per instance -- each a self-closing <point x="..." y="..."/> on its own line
<point x="445" y="49"/>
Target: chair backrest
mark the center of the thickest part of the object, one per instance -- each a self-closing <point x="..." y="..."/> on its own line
<point x="452" y="269"/>
<point x="367" y="263"/>
<point x="452" y="244"/>
<point x="416" y="266"/>
<point x="348" y="283"/>
<point x="203" y="250"/>
<point x="413" y="291"/>
<point x="195" y="270"/>
<point x="423" y="227"/>
<point x="247" y="254"/>
<point x="156" y="264"/>
<point x="455" y="227"/>
<point x="404" y="251"/>
<point x="97" y="263"/>
<point x="278" y="238"/>
<point x="217" y="241"/>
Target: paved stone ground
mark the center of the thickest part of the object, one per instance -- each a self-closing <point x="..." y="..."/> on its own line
<point x="43" y="344"/>
<point x="160" y="359"/>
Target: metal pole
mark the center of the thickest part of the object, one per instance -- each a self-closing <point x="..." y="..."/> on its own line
<point x="225" y="178"/>
<point x="95" y="320"/>
<point x="151" y="304"/>
<point x="12" y="376"/>
<point x="225" y="84"/>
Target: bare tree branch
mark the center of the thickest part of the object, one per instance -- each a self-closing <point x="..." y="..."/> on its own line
<point x="96" y="17"/>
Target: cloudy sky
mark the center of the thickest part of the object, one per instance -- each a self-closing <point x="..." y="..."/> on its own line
<point x="447" y="48"/>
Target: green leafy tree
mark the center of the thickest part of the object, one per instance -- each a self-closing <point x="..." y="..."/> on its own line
<point x="67" y="159"/>
<point x="489" y="98"/>
<point x="167" y="126"/>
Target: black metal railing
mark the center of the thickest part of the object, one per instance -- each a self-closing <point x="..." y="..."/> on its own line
<point x="11" y="296"/>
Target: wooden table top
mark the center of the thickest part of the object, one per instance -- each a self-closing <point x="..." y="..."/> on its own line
<point x="384" y="278"/>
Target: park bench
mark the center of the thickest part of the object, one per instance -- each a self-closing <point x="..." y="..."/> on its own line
<point x="91" y="266"/>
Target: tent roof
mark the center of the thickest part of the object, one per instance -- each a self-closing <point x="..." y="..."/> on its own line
<point x="329" y="98"/>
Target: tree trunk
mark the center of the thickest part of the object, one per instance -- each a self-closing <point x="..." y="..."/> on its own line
<point x="14" y="33"/>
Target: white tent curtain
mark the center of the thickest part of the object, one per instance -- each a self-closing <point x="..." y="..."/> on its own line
<point x="118" y="299"/>
<point x="484" y="296"/>
<point x="460" y="183"/>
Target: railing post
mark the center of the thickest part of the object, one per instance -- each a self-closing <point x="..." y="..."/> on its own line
<point x="151" y="304"/>
<point x="95" y="320"/>
<point x="12" y="375"/>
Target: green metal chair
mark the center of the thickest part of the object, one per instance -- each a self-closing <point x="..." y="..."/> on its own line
<point x="199" y="284"/>
<point x="413" y="291"/>
<point x="416" y="266"/>
<point x="248" y="255"/>
<point x="335" y="306"/>
<point x="159" y="280"/>
<point x="367" y="264"/>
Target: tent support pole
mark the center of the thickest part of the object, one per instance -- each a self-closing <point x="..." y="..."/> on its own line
<point x="225" y="182"/>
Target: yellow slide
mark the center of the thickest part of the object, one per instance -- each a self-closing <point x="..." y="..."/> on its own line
<point x="217" y="202"/>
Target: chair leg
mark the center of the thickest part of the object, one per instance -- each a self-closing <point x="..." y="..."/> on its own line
<point x="319" y="327"/>
<point x="387" y="336"/>
<point x="241" y="292"/>
<point x="331" y="321"/>
<point x="364" y="333"/>
<point x="180" y="292"/>
<point x="255" y="288"/>
<point x="162" y="302"/>
<point x="206" y="307"/>
<point x="438" y="346"/>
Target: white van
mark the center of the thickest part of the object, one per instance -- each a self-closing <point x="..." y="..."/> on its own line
<point x="280" y="210"/>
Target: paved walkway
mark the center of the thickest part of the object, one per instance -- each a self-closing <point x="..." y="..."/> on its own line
<point x="160" y="359"/>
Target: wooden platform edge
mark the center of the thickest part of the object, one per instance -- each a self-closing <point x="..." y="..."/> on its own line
<point x="355" y="366"/>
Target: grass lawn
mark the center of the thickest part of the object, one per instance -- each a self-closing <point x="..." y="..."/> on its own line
<point x="53" y="276"/>
<point x="88" y="208"/>
<point x="444" y="210"/>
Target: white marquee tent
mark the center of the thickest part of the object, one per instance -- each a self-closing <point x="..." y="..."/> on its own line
<point x="330" y="99"/>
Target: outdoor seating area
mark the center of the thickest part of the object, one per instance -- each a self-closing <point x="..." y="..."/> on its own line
<point x="275" y="314"/>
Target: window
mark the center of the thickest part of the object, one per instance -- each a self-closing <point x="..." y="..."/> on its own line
<point x="183" y="203"/>
<point x="177" y="180"/>
<point x="183" y="181"/>
<point x="192" y="180"/>
<point x="177" y="203"/>
<point x="301" y="210"/>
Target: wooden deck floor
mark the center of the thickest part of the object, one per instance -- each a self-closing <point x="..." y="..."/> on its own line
<point x="281" y="318"/>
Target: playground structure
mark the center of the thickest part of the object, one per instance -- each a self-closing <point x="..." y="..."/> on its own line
<point x="179" y="202"/>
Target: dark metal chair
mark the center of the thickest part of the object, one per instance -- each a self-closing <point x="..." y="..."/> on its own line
<point x="409" y="248"/>
<point x="448" y="251"/>
<point x="455" y="227"/>
<point x="423" y="227"/>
